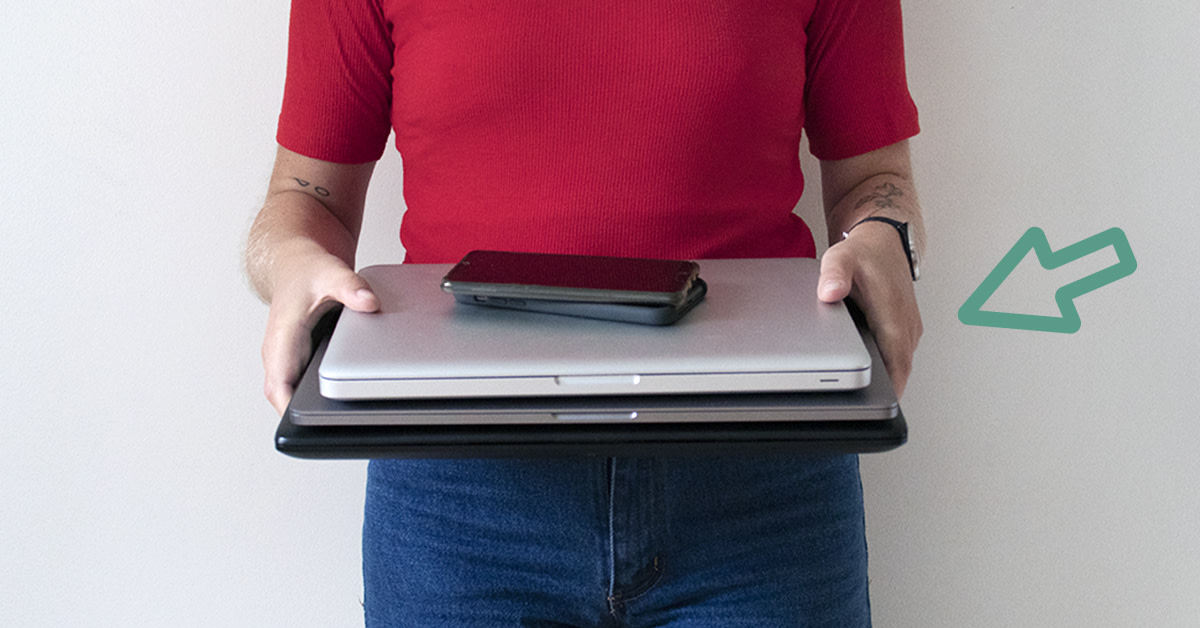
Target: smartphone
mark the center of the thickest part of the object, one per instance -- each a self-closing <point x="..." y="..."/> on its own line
<point x="622" y="312"/>
<point x="581" y="278"/>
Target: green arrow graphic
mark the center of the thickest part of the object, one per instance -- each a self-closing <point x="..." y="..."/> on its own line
<point x="972" y="313"/>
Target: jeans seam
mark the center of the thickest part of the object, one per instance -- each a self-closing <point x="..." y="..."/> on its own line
<point x="619" y="598"/>
<point x="658" y="565"/>
<point x="612" y="541"/>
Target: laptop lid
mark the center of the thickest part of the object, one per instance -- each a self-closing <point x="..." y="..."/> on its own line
<point x="761" y="328"/>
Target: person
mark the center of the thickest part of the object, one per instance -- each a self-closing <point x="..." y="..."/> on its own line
<point x="668" y="128"/>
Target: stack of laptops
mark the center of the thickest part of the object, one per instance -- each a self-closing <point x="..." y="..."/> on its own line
<point x="759" y="366"/>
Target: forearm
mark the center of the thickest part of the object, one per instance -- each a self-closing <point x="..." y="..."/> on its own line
<point x="877" y="184"/>
<point x="290" y="227"/>
<point x="313" y="209"/>
<point x="885" y="195"/>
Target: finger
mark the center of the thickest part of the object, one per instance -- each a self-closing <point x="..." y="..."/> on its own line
<point x="896" y="353"/>
<point x="285" y="347"/>
<point x="279" y="396"/>
<point x="836" y="278"/>
<point x="355" y="293"/>
<point x="896" y="325"/>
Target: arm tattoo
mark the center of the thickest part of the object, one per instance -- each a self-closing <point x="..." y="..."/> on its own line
<point x="883" y="196"/>
<point x="318" y="189"/>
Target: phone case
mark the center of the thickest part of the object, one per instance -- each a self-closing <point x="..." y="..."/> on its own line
<point x="582" y="278"/>
<point x="621" y="312"/>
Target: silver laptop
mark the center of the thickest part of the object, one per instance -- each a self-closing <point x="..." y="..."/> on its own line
<point x="760" y="329"/>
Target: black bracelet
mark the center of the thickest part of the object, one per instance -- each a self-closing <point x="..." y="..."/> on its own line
<point x="902" y="229"/>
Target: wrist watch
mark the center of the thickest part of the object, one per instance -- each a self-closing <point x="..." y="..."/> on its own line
<point x="906" y="240"/>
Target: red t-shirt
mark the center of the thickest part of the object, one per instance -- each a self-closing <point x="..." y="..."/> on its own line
<point x="662" y="128"/>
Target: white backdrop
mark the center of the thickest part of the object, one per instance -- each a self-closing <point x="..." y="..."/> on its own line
<point x="1050" y="480"/>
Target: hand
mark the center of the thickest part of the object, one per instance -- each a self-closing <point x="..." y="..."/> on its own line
<point x="305" y="290"/>
<point x="870" y="267"/>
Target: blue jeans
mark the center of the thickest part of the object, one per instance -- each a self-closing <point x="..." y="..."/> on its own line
<point x="590" y="542"/>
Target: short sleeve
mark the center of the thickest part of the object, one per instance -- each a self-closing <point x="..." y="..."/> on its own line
<point x="337" y="99"/>
<point x="856" y="90"/>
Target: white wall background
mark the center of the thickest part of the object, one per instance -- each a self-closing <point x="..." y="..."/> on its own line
<point x="1050" y="480"/>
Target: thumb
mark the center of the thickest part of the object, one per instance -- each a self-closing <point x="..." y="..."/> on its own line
<point x="355" y="293"/>
<point x="835" y="281"/>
